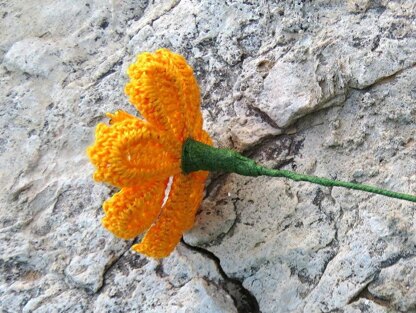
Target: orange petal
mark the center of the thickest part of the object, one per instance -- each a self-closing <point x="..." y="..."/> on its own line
<point x="131" y="152"/>
<point x="119" y="116"/>
<point x="202" y="136"/>
<point x="177" y="216"/>
<point x="163" y="88"/>
<point x="132" y="210"/>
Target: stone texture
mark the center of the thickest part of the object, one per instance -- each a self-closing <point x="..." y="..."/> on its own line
<point x="199" y="296"/>
<point x="321" y="87"/>
<point x="396" y="284"/>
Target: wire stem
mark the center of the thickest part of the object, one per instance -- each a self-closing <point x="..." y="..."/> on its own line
<point x="197" y="156"/>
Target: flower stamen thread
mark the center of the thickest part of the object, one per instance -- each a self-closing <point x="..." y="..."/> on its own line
<point x="140" y="156"/>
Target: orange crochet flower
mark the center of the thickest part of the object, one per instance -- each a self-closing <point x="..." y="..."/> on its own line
<point x="139" y="155"/>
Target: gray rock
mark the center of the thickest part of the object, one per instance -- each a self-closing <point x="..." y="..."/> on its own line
<point x="325" y="88"/>
<point x="199" y="296"/>
<point x="365" y="305"/>
<point x="396" y="284"/>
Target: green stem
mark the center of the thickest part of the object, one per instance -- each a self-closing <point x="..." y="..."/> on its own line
<point x="197" y="156"/>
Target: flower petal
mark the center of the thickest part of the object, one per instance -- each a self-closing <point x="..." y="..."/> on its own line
<point x="163" y="88"/>
<point x="132" y="210"/>
<point x="131" y="152"/>
<point x="202" y="136"/>
<point x="119" y="116"/>
<point x="177" y="215"/>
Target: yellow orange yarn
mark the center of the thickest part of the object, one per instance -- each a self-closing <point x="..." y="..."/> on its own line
<point x="139" y="155"/>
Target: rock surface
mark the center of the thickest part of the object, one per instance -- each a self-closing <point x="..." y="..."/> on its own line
<point x="321" y="87"/>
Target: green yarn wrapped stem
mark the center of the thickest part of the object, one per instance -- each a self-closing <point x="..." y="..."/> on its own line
<point x="198" y="156"/>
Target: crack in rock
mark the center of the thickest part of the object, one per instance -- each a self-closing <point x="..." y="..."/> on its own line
<point x="110" y="266"/>
<point x="366" y="294"/>
<point x="394" y="259"/>
<point x="383" y="79"/>
<point x="243" y="298"/>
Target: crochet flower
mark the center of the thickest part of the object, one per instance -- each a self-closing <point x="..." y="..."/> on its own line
<point x="141" y="155"/>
